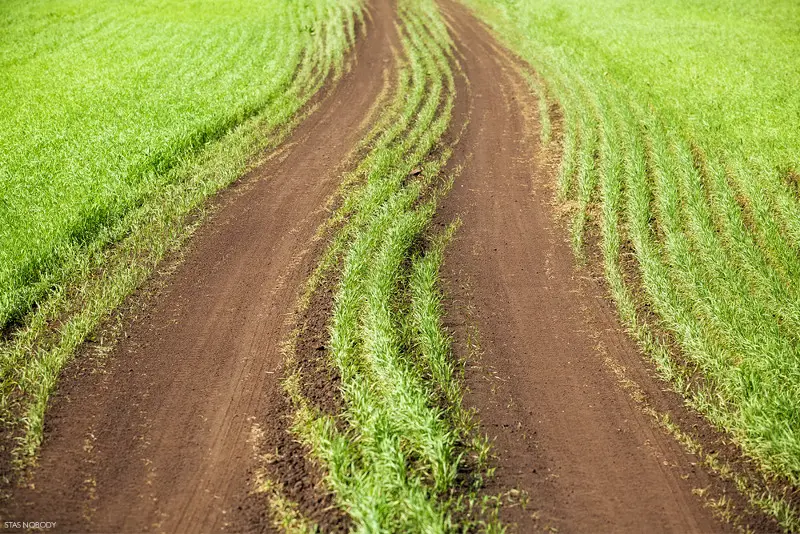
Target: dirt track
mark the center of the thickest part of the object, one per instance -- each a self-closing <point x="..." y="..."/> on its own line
<point x="566" y="431"/>
<point x="158" y="440"/>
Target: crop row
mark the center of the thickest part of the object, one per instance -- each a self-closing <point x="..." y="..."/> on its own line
<point x="395" y="456"/>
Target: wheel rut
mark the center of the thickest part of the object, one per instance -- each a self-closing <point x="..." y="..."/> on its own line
<point x="539" y="375"/>
<point x="158" y="439"/>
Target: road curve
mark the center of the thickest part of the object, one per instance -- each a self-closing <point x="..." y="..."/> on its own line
<point x="158" y="441"/>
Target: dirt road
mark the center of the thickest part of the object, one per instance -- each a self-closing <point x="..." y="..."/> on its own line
<point x="158" y="441"/>
<point x="566" y="431"/>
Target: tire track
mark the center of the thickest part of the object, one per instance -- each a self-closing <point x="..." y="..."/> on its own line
<point x="565" y="431"/>
<point x="157" y="441"/>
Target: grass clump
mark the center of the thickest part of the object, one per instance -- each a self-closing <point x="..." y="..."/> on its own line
<point x="678" y="147"/>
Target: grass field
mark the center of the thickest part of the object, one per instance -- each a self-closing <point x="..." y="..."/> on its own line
<point x="677" y="127"/>
<point x="680" y="149"/>
<point x="117" y="121"/>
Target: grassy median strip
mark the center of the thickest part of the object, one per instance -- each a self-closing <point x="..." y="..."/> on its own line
<point x="98" y="177"/>
<point x="680" y="146"/>
<point x="396" y="455"/>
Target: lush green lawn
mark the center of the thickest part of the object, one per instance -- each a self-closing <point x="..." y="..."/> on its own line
<point x="682" y="144"/>
<point x="116" y="120"/>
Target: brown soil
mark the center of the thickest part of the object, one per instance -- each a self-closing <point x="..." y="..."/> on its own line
<point x="158" y="439"/>
<point x="545" y="353"/>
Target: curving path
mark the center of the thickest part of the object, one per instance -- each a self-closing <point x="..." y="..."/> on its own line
<point x="159" y="440"/>
<point x="564" y="429"/>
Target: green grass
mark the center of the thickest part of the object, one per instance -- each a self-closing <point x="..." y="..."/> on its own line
<point x="681" y="146"/>
<point x="116" y="121"/>
<point x="396" y="455"/>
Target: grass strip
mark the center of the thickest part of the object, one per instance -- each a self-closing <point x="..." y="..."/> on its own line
<point x="395" y="456"/>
